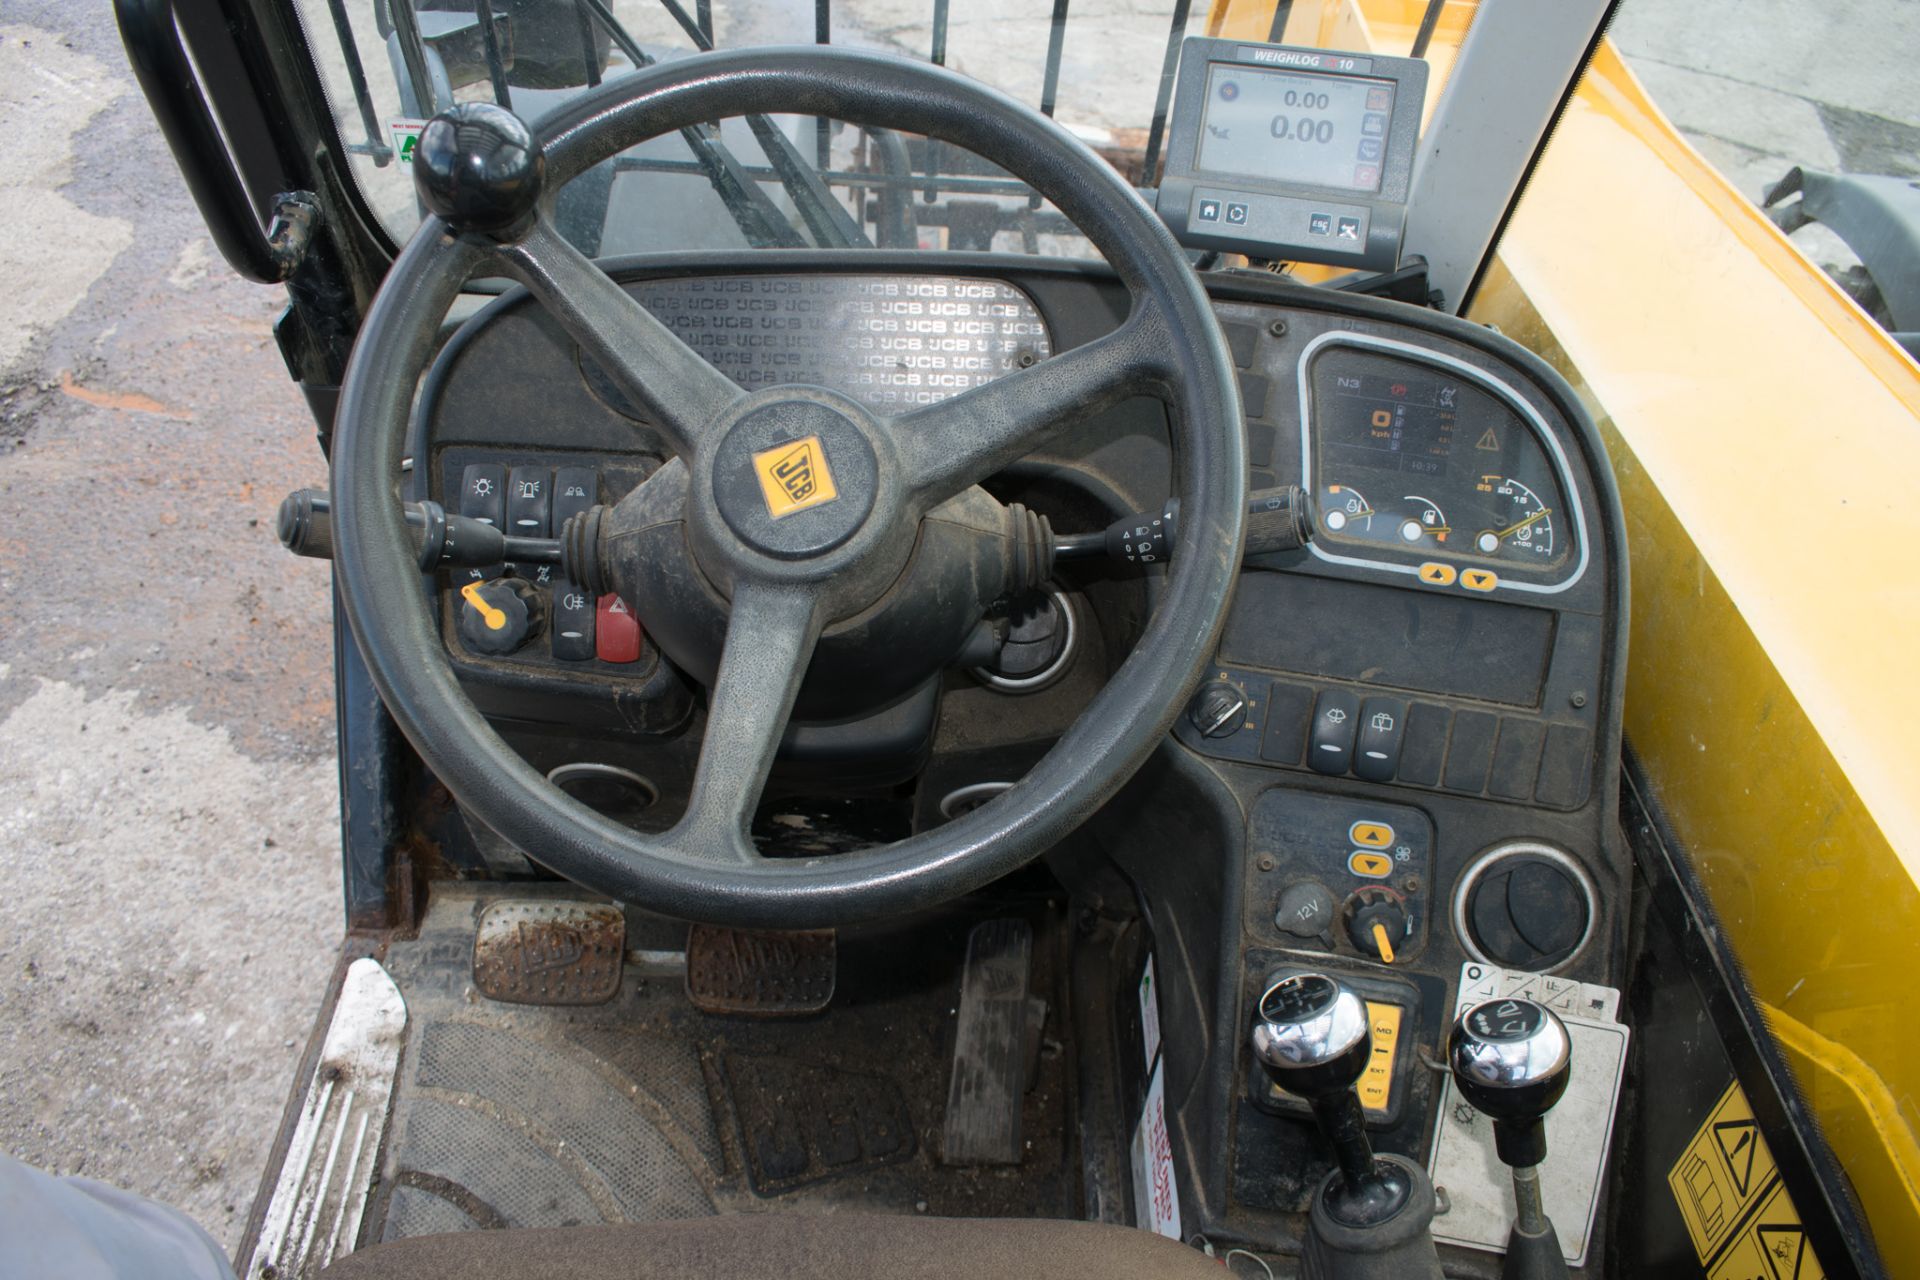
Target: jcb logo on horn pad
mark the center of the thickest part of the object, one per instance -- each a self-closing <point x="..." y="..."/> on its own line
<point x="794" y="476"/>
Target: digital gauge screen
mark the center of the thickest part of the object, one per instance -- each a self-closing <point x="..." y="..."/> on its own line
<point x="1413" y="459"/>
<point x="1296" y="127"/>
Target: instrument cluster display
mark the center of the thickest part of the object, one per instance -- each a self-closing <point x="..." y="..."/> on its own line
<point x="1425" y="464"/>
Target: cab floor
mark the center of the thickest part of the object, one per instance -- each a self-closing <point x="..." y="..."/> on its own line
<point x="644" y="1108"/>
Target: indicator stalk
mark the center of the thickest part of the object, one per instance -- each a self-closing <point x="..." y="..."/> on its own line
<point x="440" y="540"/>
<point x="1277" y="520"/>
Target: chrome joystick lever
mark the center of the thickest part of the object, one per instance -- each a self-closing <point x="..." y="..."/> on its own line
<point x="1313" y="1040"/>
<point x="1511" y="1059"/>
<point x="1374" y="1216"/>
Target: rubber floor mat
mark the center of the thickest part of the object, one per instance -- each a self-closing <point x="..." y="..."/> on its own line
<point x="643" y="1108"/>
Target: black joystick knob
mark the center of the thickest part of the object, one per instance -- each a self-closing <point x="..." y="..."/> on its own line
<point x="1512" y="1059"/>
<point x="478" y="168"/>
<point x="1314" y="1040"/>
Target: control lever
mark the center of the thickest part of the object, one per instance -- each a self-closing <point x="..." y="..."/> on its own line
<point x="1373" y="1215"/>
<point x="441" y="540"/>
<point x="1511" y="1059"/>
<point x="1277" y="520"/>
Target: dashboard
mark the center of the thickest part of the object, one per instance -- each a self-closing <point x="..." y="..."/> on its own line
<point x="1425" y="463"/>
<point x="1414" y="780"/>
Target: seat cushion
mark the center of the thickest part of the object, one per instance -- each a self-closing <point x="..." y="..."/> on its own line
<point x="789" y="1246"/>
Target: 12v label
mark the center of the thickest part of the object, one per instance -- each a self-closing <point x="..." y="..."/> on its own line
<point x="1743" y="1223"/>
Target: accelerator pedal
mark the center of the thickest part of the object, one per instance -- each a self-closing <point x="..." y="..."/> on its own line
<point x="760" y="973"/>
<point x="990" y="1047"/>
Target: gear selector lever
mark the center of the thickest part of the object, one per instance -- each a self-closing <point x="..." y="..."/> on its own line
<point x="1373" y="1215"/>
<point x="1511" y="1059"/>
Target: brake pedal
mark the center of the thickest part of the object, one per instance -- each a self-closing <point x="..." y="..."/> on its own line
<point x="760" y="973"/>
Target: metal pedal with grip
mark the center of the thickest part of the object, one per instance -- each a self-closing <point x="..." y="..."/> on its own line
<point x="547" y="952"/>
<point x="761" y="973"/>
<point x="989" y="1047"/>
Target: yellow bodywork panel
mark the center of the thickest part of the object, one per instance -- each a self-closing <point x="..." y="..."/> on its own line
<point x="1766" y="438"/>
<point x="1765" y="435"/>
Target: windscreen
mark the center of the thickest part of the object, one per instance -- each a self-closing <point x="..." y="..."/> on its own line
<point x="757" y="182"/>
<point x="1104" y="70"/>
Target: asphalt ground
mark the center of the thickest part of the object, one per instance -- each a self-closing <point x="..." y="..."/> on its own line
<point x="169" y="899"/>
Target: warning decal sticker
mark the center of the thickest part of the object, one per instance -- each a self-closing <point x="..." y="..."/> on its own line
<point x="406" y="136"/>
<point x="1156" y="1200"/>
<point x="1149" y="1014"/>
<point x="1743" y="1224"/>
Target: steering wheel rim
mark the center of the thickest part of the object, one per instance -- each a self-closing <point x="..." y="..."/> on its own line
<point x="1174" y="348"/>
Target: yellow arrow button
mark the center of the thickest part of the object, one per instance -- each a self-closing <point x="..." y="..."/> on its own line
<point x="1374" y="866"/>
<point x="1372" y="835"/>
<point x="1435" y="574"/>
<point x="1479" y="580"/>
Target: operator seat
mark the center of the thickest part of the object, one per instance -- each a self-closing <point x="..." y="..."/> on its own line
<point x="831" y="1247"/>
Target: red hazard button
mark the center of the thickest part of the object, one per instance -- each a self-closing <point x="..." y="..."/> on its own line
<point x="616" y="632"/>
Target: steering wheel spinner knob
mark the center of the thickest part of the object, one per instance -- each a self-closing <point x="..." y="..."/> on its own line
<point x="478" y="169"/>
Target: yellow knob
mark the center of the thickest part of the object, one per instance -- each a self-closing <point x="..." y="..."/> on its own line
<point x="1381" y="941"/>
<point x="495" y="618"/>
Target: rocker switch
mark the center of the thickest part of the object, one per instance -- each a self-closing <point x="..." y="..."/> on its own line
<point x="574" y="610"/>
<point x="529" y="502"/>
<point x="483" y="497"/>
<point x="1336" y="717"/>
<point x="1383" y="725"/>
<point x="574" y="490"/>
<point x="483" y="494"/>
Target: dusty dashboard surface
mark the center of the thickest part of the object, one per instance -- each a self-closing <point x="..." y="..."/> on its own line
<point x="1426" y="744"/>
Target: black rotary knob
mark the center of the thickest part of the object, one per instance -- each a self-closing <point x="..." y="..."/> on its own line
<point x="1217" y="709"/>
<point x="1511" y="1059"/>
<point x="477" y="167"/>
<point x="498" y="617"/>
<point x="1377" y="922"/>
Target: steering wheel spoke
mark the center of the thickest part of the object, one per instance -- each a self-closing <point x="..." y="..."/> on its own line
<point x="948" y="446"/>
<point x="680" y="392"/>
<point x="770" y="641"/>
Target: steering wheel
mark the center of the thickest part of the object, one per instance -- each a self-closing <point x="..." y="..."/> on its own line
<point x="490" y="182"/>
